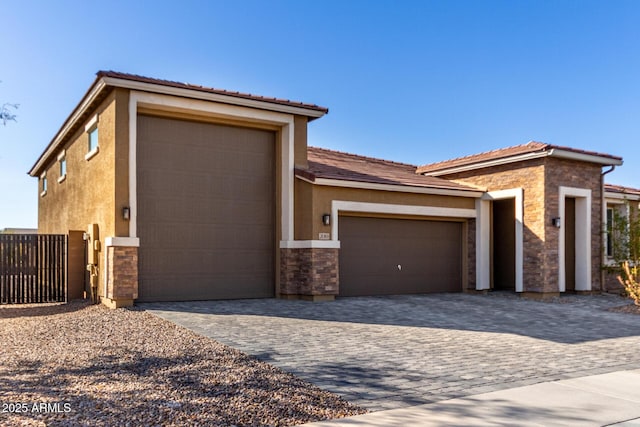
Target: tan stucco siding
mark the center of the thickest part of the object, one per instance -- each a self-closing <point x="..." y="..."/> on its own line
<point x="309" y="220"/>
<point x="87" y="194"/>
<point x="300" y="137"/>
<point x="121" y="163"/>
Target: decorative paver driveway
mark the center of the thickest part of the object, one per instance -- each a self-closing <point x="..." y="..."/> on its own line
<point x="390" y="352"/>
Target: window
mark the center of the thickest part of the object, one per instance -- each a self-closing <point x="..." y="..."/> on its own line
<point x="62" y="161"/>
<point x="93" y="146"/>
<point x="93" y="139"/>
<point x="43" y="185"/>
<point x="609" y="247"/>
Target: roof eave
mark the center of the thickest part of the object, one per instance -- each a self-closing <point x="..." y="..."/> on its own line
<point x="554" y="152"/>
<point x="585" y="157"/>
<point x="94" y="91"/>
<point x="311" y="113"/>
<point x="402" y="188"/>
<point x="103" y="82"/>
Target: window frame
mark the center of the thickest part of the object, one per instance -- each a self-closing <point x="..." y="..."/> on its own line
<point x="609" y="232"/>
<point x="62" y="164"/>
<point x="43" y="184"/>
<point x="91" y="129"/>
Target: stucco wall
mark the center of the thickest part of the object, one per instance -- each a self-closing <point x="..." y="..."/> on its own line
<point x="309" y="215"/>
<point x="88" y="193"/>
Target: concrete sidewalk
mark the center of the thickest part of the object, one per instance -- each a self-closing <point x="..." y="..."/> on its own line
<point x="599" y="400"/>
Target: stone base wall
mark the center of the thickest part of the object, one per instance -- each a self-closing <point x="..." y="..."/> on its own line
<point x="122" y="273"/>
<point x="611" y="283"/>
<point x="308" y="272"/>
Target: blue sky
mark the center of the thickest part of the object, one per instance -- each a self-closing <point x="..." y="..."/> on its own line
<point x="412" y="81"/>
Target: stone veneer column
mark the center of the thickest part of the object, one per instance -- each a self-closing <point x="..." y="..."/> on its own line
<point x="122" y="272"/>
<point x="309" y="273"/>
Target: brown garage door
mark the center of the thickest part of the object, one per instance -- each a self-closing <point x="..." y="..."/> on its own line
<point x="205" y="211"/>
<point x="383" y="256"/>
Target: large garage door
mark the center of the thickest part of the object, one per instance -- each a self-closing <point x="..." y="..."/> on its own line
<point x="383" y="256"/>
<point x="205" y="211"/>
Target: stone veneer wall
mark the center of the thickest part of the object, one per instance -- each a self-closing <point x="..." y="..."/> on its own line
<point x="569" y="173"/>
<point x="541" y="179"/>
<point x="471" y="254"/>
<point x="309" y="272"/>
<point x="122" y="274"/>
<point x="530" y="177"/>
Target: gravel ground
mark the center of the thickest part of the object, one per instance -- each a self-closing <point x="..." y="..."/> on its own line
<point x="101" y="367"/>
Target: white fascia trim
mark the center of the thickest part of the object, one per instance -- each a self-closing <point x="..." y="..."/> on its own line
<point x="382" y="208"/>
<point x="303" y="244"/>
<point x="390" y="187"/>
<point x="75" y="116"/>
<point x="284" y="121"/>
<point x="620" y="197"/>
<point x="562" y="154"/>
<point x="584" y="157"/>
<point x="132" y="242"/>
<point x="582" y="236"/>
<point x="488" y="163"/>
<point x="483" y="265"/>
<point x="212" y="97"/>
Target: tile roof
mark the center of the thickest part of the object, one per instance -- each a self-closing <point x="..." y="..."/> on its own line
<point x="330" y="164"/>
<point x="504" y="153"/>
<point x="619" y="189"/>
<point x="169" y="83"/>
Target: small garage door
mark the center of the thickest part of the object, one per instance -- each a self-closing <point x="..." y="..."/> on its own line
<point x="383" y="256"/>
<point x="205" y="211"/>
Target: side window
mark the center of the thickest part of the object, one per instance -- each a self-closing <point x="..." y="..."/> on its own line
<point x="62" y="161"/>
<point x="93" y="144"/>
<point x="93" y="139"/>
<point x="43" y="184"/>
<point x="609" y="247"/>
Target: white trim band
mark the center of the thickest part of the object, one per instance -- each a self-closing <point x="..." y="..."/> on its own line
<point x="132" y="242"/>
<point x="338" y="206"/>
<point x="304" y="244"/>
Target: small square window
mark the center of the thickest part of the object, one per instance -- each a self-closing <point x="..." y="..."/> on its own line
<point x="93" y="139"/>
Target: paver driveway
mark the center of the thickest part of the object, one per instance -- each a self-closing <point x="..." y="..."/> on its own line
<point x="390" y="352"/>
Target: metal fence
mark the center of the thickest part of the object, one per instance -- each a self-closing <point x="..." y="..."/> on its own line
<point x="33" y="268"/>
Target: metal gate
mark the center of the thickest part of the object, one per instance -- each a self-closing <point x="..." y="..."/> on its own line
<point x="33" y="268"/>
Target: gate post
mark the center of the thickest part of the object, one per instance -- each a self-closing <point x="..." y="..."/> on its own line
<point x="75" y="265"/>
<point x="121" y="271"/>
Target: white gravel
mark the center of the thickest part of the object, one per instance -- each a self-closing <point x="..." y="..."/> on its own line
<point x="80" y="364"/>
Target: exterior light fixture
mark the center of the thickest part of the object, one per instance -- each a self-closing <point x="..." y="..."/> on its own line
<point x="126" y="213"/>
<point x="556" y="222"/>
<point x="326" y="219"/>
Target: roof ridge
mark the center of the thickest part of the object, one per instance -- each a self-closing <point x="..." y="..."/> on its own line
<point x="542" y="146"/>
<point x="376" y="159"/>
<point x="173" y="83"/>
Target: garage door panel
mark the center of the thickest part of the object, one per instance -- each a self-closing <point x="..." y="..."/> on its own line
<point x="385" y="256"/>
<point x="206" y="215"/>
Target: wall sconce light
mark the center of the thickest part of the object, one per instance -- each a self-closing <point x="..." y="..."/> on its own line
<point x="556" y="222"/>
<point x="85" y="236"/>
<point x="326" y="219"/>
<point x="126" y="213"/>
